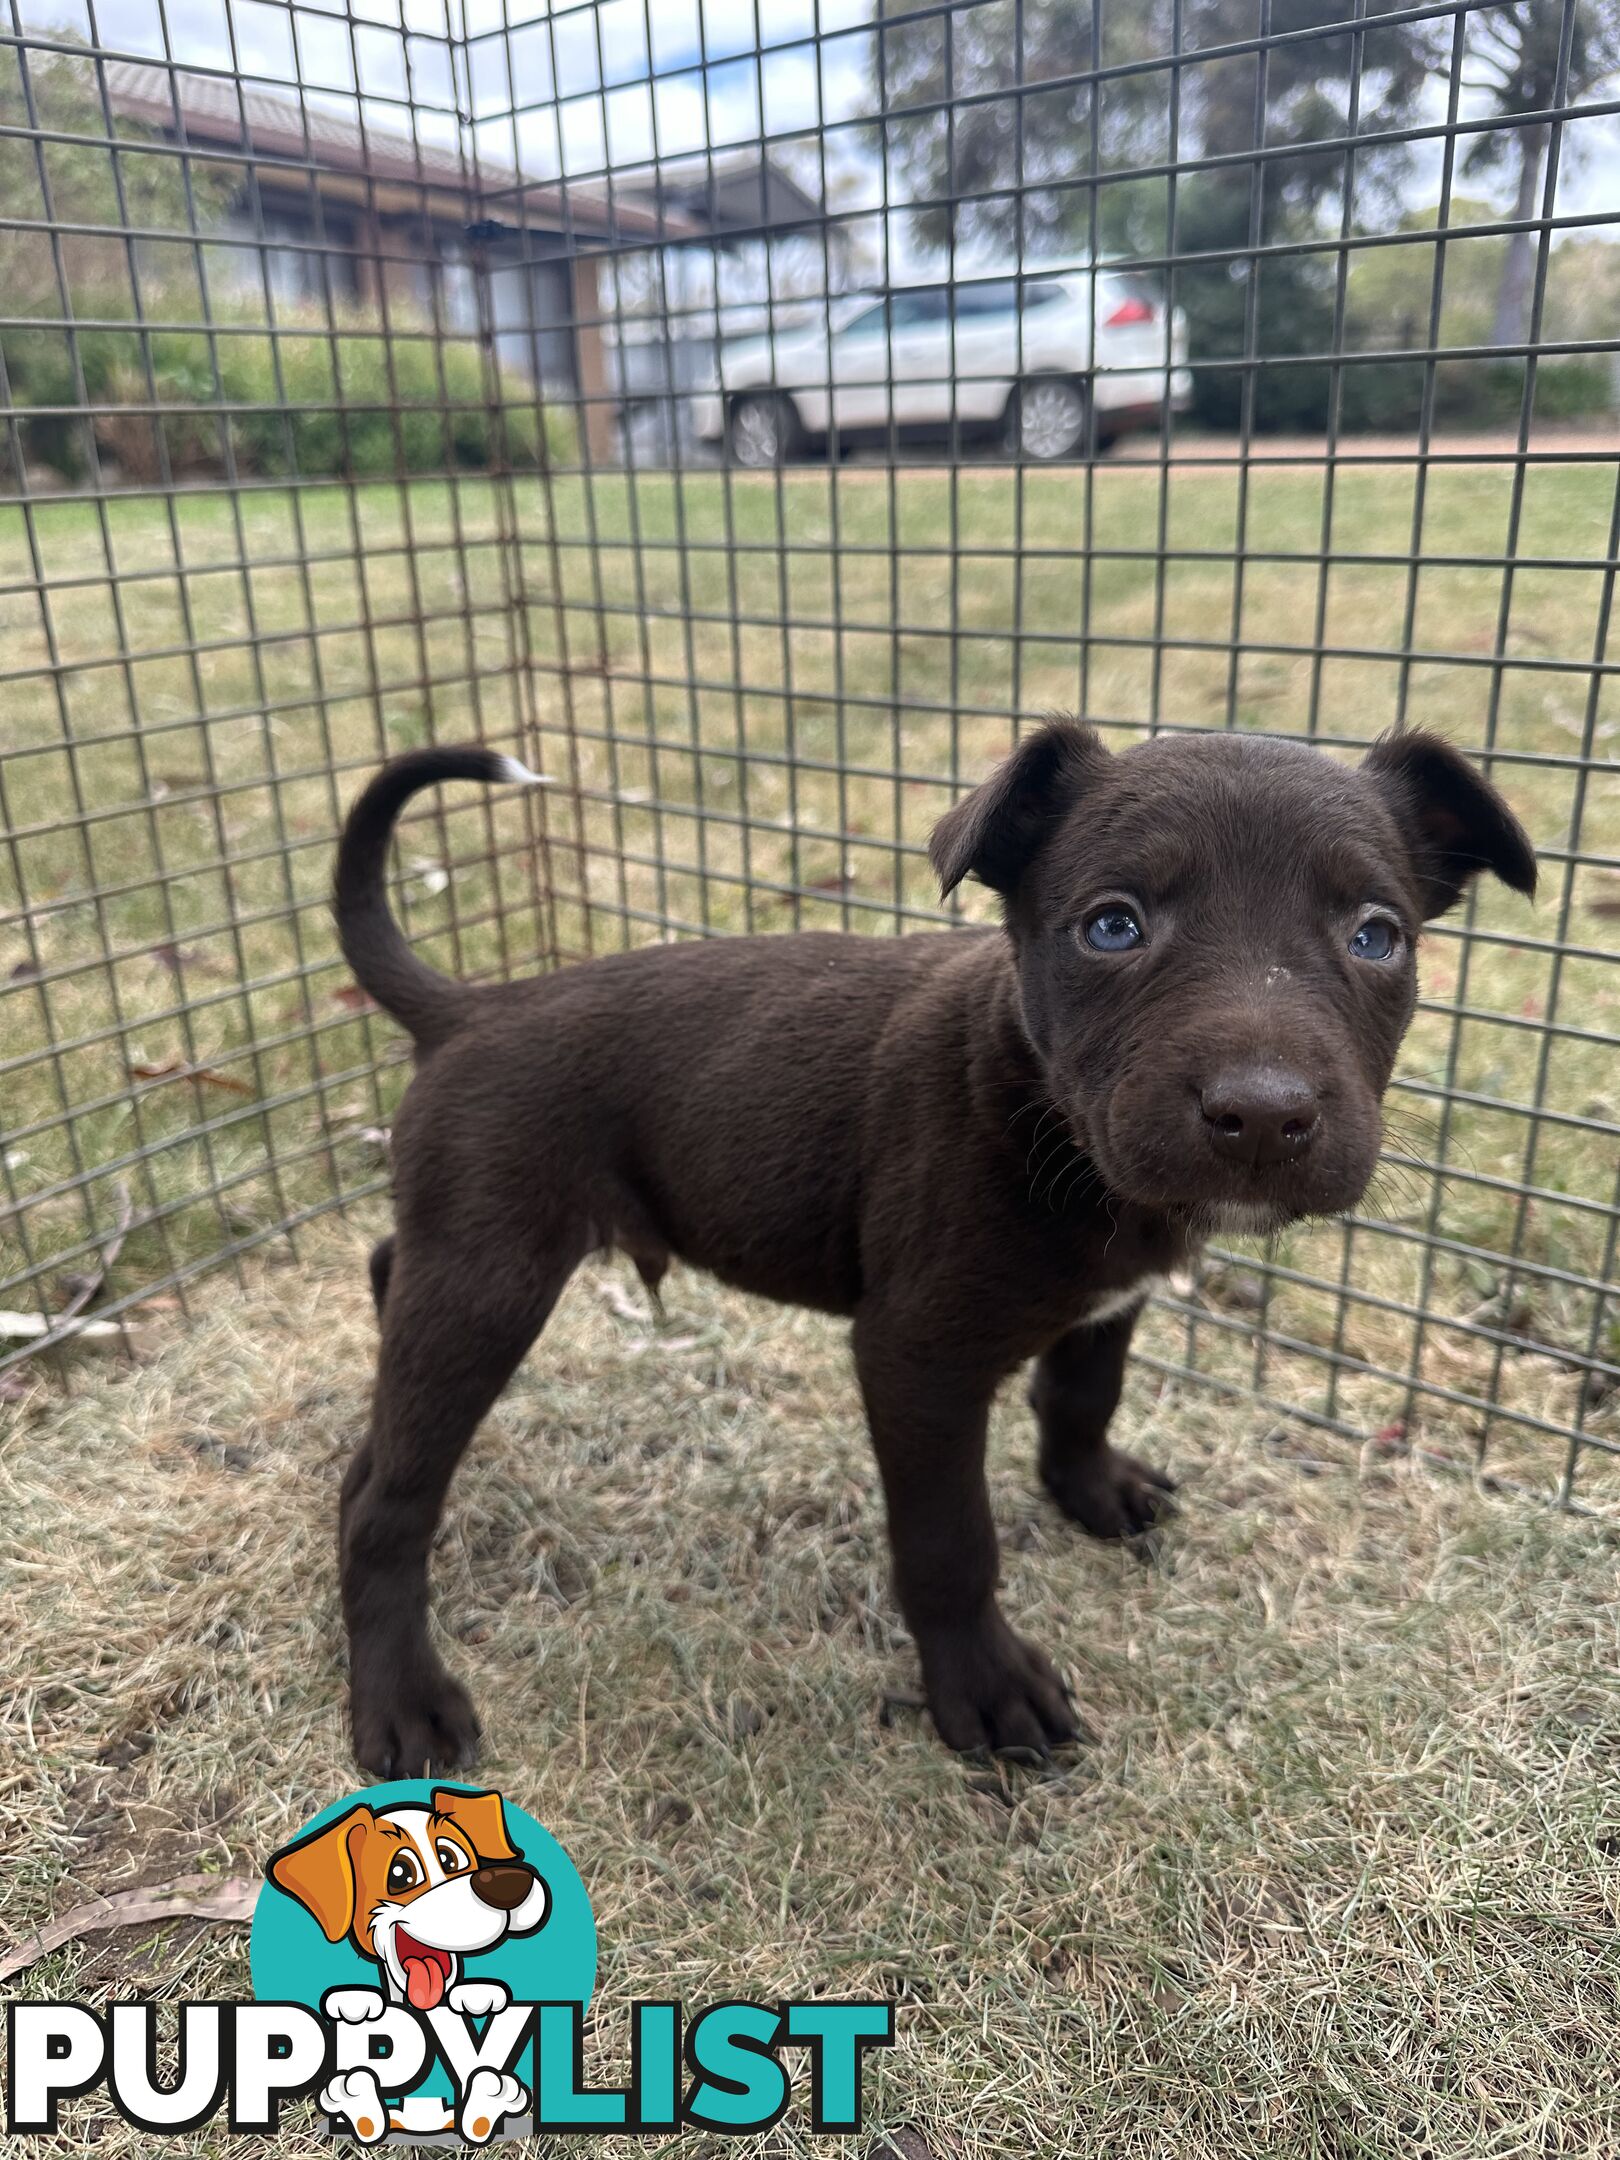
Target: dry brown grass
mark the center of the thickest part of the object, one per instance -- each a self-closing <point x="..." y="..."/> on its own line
<point x="1336" y="1877"/>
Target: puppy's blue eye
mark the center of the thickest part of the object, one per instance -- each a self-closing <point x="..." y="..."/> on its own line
<point x="1377" y="939"/>
<point x="1113" y="929"/>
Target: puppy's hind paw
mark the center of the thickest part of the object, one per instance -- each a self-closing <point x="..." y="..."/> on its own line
<point x="491" y="2098"/>
<point x="355" y="2099"/>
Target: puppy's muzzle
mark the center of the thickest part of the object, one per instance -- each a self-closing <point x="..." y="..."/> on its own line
<point x="503" y="1886"/>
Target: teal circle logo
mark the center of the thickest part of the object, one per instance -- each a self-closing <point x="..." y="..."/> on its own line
<point x="425" y="1898"/>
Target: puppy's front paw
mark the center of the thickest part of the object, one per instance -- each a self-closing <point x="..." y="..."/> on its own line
<point x="1108" y="1493"/>
<point x="413" y="1721"/>
<point x="478" y="1998"/>
<point x="356" y="2099"/>
<point x="988" y="1688"/>
<point x="491" y="2098"/>
<point x="353" y="2006"/>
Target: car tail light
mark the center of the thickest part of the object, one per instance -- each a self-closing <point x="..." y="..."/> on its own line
<point x="1128" y="312"/>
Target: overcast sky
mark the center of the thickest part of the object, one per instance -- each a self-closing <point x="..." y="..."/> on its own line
<point x="610" y="84"/>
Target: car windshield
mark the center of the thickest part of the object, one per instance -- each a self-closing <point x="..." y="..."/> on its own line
<point x="999" y="296"/>
<point x="932" y="307"/>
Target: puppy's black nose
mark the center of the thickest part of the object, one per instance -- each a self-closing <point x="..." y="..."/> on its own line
<point x="504" y="1885"/>
<point x="1260" y="1114"/>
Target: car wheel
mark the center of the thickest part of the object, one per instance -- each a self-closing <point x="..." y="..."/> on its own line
<point x="763" y="431"/>
<point x="1047" y="419"/>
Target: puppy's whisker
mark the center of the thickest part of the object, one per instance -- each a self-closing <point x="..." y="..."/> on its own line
<point x="1036" y="1102"/>
<point x="1056" y="1166"/>
<point x="1393" y="1185"/>
<point x="1051" y="1110"/>
<point x="1065" y="1185"/>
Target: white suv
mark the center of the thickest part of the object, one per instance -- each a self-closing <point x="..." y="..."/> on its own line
<point x="1008" y="354"/>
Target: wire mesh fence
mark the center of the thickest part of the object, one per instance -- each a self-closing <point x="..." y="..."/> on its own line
<point x="752" y="417"/>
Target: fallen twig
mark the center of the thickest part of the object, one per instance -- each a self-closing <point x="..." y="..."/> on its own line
<point x="181" y="1069"/>
<point x="230" y="1898"/>
<point x="66" y="1326"/>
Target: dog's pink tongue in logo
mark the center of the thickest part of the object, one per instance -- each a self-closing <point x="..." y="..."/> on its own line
<point x="426" y="1971"/>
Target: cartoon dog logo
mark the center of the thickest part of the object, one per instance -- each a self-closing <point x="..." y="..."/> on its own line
<point x="417" y="1889"/>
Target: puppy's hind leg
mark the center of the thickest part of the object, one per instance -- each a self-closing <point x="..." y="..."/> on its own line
<point x="454" y="1328"/>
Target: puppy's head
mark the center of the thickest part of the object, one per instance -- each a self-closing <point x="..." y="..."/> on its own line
<point x="1215" y="939"/>
<point x="417" y="1888"/>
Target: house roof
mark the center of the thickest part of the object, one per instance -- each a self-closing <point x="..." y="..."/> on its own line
<point x="216" y="112"/>
<point x="730" y="190"/>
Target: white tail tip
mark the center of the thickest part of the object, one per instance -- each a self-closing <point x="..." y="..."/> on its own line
<point x="512" y="769"/>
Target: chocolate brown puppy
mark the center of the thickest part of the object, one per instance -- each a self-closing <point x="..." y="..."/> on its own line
<point x="984" y="1148"/>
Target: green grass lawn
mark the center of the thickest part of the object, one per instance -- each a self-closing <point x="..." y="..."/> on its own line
<point x="756" y="695"/>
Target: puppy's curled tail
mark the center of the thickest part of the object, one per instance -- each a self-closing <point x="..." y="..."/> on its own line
<point x="420" y="998"/>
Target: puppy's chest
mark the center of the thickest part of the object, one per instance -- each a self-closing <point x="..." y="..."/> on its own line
<point x="1103" y="1305"/>
<point x="1113" y="1267"/>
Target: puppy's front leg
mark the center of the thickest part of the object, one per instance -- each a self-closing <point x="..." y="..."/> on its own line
<point x="1074" y="1393"/>
<point x="986" y="1686"/>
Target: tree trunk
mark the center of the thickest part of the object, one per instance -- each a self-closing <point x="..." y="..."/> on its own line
<point x="1518" y="265"/>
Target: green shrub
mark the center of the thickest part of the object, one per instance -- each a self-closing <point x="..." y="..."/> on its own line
<point x="39" y="371"/>
<point x="399" y="411"/>
<point x="1388" y="395"/>
<point x="313" y="401"/>
<point x="1570" y="387"/>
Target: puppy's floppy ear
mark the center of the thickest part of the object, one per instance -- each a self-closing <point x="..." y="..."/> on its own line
<point x="481" y="1816"/>
<point x="993" y="833"/>
<point x="1453" y="820"/>
<point x="318" y="1871"/>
